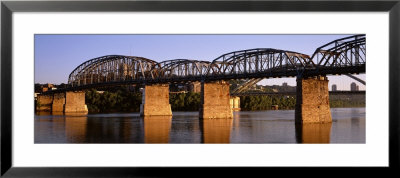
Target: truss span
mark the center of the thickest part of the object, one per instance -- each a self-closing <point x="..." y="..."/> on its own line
<point x="259" y="60"/>
<point x="180" y="69"/>
<point x="113" y="68"/>
<point x="342" y="56"/>
<point x="341" y="53"/>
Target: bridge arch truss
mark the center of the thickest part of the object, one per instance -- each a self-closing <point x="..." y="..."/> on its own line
<point x="342" y="56"/>
<point x="113" y="68"/>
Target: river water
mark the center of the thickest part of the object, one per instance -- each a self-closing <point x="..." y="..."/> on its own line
<point x="273" y="126"/>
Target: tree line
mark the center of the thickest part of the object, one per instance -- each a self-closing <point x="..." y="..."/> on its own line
<point x="122" y="101"/>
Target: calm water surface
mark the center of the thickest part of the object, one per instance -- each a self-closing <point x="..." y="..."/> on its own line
<point x="275" y="126"/>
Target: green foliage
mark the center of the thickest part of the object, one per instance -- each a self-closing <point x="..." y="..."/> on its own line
<point x="185" y="101"/>
<point x="346" y="103"/>
<point x="255" y="103"/>
<point x="124" y="101"/>
<point x="119" y="101"/>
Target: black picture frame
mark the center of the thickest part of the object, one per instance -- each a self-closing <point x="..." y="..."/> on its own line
<point x="8" y="7"/>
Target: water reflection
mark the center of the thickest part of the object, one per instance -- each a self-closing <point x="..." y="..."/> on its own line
<point x="75" y="129"/>
<point x="102" y="129"/>
<point x="43" y="113"/>
<point x="61" y="128"/>
<point x="313" y="132"/>
<point x="157" y="129"/>
<point x="57" y="113"/>
<point x="216" y="130"/>
<point x="348" y="126"/>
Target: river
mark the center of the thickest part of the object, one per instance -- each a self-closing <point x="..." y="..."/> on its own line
<point x="272" y="126"/>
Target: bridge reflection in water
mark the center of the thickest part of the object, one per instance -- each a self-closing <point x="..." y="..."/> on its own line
<point x="348" y="126"/>
<point x="152" y="129"/>
<point x="313" y="132"/>
<point x="157" y="129"/>
<point x="216" y="130"/>
<point x="68" y="129"/>
<point x="76" y="128"/>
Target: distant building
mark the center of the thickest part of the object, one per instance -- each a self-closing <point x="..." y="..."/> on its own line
<point x="44" y="89"/>
<point x="41" y="88"/>
<point x="354" y="87"/>
<point x="284" y="84"/>
<point x="334" y="87"/>
<point x="36" y="94"/>
<point x="48" y="85"/>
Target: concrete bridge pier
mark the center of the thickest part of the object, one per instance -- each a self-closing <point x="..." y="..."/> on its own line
<point x="44" y="103"/>
<point x="235" y="103"/>
<point x="58" y="103"/>
<point x="74" y="102"/>
<point x="312" y="100"/>
<point x="215" y="100"/>
<point x="155" y="101"/>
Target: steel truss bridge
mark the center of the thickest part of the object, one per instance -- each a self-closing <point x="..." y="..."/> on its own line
<point x="294" y="93"/>
<point x="341" y="56"/>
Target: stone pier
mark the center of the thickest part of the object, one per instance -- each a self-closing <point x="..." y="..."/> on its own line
<point x="312" y="101"/>
<point x="155" y="101"/>
<point x="58" y="102"/>
<point x="44" y="103"/>
<point x="215" y="100"/>
<point x="235" y="103"/>
<point x="75" y="102"/>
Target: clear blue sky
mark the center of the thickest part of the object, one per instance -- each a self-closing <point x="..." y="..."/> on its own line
<point x="57" y="55"/>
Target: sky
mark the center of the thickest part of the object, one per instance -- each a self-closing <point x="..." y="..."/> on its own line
<point x="56" y="56"/>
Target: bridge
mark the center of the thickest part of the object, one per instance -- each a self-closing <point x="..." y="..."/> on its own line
<point x="294" y="93"/>
<point x="342" y="56"/>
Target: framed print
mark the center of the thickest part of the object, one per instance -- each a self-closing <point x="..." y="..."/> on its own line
<point x="142" y="88"/>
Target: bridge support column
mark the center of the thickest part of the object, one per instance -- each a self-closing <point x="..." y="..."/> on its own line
<point x="44" y="103"/>
<point x="155" y="101"/>
<point x="215" y="100"/>
<point x="235" y="103"/>
<point x="75" y="102"/>
<point x="58" y="103"/>
<point x="312" y="101"/>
